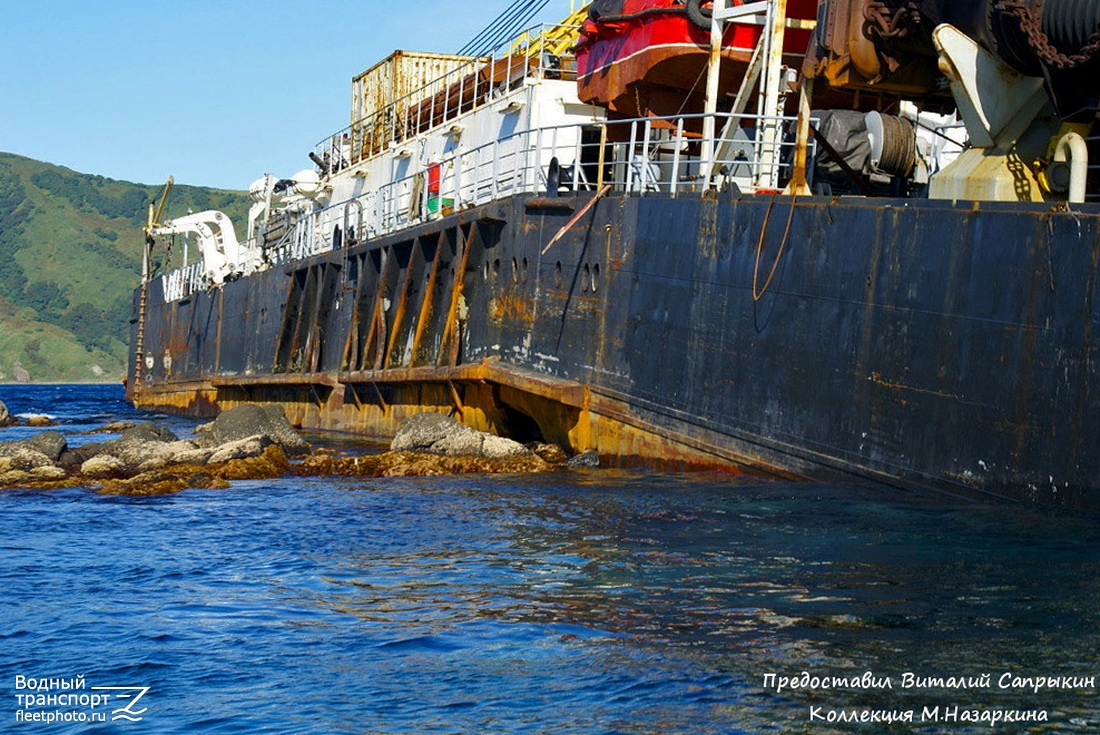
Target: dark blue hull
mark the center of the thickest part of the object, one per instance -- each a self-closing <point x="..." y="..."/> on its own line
<point x="927" y="344"/>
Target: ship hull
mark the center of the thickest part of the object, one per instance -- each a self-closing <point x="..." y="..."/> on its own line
<point x="931" y="345"/>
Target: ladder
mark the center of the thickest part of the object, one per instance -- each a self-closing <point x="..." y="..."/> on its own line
<point x="557" y="40"/>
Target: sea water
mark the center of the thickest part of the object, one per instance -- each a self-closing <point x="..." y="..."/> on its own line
<point x="593" y="601"/>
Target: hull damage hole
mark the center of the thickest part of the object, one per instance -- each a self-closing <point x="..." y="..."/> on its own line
<point x="520" y="427"/>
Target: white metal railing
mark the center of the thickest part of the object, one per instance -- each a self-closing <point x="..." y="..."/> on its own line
<point x="304" y="239"/>
<point x="184" y="281"/>
<point x="640" y="157"/>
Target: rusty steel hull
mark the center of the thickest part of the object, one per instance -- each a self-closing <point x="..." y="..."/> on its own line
<point x="926" y="344"/>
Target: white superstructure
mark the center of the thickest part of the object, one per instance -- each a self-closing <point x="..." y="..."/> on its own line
<point x="434" y="134"/>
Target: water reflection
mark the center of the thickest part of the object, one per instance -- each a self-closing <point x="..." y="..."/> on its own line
<point x="746" y="579"/>
<point x="580" y="602"/>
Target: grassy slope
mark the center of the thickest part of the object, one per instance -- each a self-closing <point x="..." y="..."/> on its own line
<point x="70" y="256"/>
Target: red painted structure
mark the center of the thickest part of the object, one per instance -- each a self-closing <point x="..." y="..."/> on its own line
<point x="647" y="57"/>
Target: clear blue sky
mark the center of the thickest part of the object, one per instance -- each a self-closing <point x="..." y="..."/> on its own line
<point x="213" y="93"/>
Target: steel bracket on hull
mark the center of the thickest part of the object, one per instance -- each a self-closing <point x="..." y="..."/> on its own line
<point x="459" y="407"/>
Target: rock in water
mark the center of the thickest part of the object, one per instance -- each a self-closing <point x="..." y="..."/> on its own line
<point x="143" y="444"/>
<point x="250" y="420"/>
<point x="584" y="459"/>
<point x="147" y="432"/>
<point x="6" y="419"/>
<point x="113" y="427"/>
<point x="252" y="446"/>
<point x="423" y="430"/>
<point x="552" y="453"/>
<point x="103" y="466"/>
<point x="439" y="434"/>
<point x="50" y="443"/>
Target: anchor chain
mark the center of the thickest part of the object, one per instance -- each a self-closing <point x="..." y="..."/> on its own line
<point x="1030" y="17"/>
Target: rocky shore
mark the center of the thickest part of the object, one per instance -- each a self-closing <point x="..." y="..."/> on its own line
<point x="256" y="442"/>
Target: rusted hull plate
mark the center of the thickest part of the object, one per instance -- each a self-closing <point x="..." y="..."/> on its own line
<point x="487" y="396"/>
<point x="927" y="344"/>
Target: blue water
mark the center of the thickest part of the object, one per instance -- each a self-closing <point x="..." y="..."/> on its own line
<point x="579" y="602"/>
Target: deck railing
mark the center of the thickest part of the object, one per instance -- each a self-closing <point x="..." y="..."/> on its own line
<point x="641" y="157"/>
<point x="184" y="281"/>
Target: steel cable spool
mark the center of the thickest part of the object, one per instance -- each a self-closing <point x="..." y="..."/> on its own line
<point x="893" y="144"/>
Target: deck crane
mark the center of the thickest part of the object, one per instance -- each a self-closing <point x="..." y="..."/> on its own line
<point x="223" y="257"/>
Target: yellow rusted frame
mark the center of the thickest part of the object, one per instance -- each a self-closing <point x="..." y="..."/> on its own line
<point x="381" y="401"/>
<point x="354" y="389"/>
<point x="426" y="301"/>
<point x="601" y="419"/>
<point x="376" y="308"/>
<point x="218" y="337"/>
<point x="294" y="314"/>
<point x="457" y="284"/>
<point x="399" y="313"/>
<point x="312" y="356"/>
<point x="351" y="344"/>
<point x="316" y="396"/>
<point x="459" y="407"/>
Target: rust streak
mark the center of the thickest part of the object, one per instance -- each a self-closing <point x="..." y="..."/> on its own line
<point x="351" y="344"/>
<point x="399" y="313"/>
<point x="877" y="379"/>
<point x="457" y="399"/>
<point x="313" y="356"/>
<point x="457" y="284"/>
<point x="376" y="306"/>
<point x="511" y="305"/>
<point x="426" y="302"/>
<point x="381" y="401"/>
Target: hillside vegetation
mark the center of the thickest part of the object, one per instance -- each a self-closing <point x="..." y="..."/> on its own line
<point x="70" y="257"/>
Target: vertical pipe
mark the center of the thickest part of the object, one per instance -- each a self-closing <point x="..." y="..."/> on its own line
<point x="676" y="155"/>
<point x="773" y="76"/>
<point x="534" y="176"/>
<point x="601" y="157"/>
<point x="577" y="160"/>
<point x="493" y="181"/>
<point x="458" y="174"/>
<point x="630" y="156"/>
<point x="797" y="184"/>
<point x="711" y="101"/>
<point x="1073" y="145"/>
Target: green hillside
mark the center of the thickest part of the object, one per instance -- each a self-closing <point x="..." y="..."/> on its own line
<point x="70" y="257"/>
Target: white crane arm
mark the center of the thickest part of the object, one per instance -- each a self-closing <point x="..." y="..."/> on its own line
<point x="218" y="241"/>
